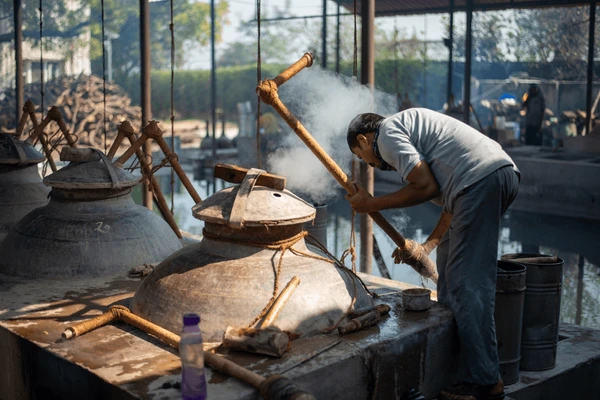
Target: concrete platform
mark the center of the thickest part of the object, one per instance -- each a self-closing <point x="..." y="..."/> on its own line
<point x="406" y="350"/>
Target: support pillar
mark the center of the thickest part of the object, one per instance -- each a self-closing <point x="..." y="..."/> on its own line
<point x="18" y="19"/>
<point x="590" y="68"/>
<point x="146" y="89"/>
<point x="367" y="177"/>
<point x="468" y="54"/>
<point x="324" y="37"/>
<point x="337" y="42"/>
<point x="213" y="88"/>
<point x="450" y="54"/>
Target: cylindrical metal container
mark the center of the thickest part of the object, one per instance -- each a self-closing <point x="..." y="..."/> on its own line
<point x="541" y="312"/>
<point x="417" y="299"/>
<point x="90" y="227"/>
<point x="318" y="227"/>
<point x="508" y="314"/>
<point x="21" y="188"/>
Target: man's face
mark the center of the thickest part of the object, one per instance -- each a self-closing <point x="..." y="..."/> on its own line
<point x="364" y="150"/>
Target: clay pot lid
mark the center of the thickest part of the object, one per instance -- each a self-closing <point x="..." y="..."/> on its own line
<point x="17" y="152"/>
<point x="264" y="207"/>
<point x="96" y="172"/>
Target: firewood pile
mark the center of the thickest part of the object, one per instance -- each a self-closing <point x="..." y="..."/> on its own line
<point x="80" y="100"/>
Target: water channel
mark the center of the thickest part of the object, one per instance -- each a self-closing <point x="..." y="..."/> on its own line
<point x="575" y="241"/>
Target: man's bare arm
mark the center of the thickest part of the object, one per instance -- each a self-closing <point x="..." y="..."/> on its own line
<point x="422" y="187"/>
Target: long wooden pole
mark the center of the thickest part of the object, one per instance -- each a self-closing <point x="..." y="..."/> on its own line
<point x="266" y="386"/>
<point x="417" y="258"/>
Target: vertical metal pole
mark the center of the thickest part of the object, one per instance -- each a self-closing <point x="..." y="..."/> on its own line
<point x="367" y="177"/>
<point x="337" y="42"/>
<point x="146" y="88"/>
<point x="18" y="14"/>
<point x="450" y="54"/>
<point x="213" y="87"/>
<point x="590" y="68"/>
<point x="468" y="53"/>
<point x="324" y="37"/>
<point x="579" y="293"/>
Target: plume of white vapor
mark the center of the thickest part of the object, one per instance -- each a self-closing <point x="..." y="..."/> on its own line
<point x="324" y="103"/>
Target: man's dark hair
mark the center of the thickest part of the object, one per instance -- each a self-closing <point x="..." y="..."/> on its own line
<point x="362" y="124"/>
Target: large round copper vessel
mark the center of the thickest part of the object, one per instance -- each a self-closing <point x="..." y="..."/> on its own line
<point x="90" y="227"/>
<point x="21" y="188"/>
<point x="229" y="277"/>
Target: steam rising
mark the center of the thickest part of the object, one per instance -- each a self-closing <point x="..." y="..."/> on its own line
<point x="324" y="103"/>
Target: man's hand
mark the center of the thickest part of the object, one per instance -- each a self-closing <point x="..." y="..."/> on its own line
<point x="361" y="200"/>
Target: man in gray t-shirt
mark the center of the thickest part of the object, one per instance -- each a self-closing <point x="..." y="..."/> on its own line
<point x="442" y="160"/>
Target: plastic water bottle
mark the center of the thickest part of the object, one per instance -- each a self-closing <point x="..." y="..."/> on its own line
<point x="193" y="381"/>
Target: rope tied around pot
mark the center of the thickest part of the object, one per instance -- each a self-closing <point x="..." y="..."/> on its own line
<point x="287" y="244"/>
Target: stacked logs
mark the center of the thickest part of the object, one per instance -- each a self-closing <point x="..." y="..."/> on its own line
<point x="80" y="100"/>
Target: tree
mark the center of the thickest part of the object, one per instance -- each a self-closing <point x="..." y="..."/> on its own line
<point x="488" y="40"/>
<point x="61" y="19"/>
<point x="556" y="35"/>
<point x="191" y="31"/>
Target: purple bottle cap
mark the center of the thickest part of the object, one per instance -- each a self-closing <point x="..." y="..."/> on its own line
<point x="191" y="319"/>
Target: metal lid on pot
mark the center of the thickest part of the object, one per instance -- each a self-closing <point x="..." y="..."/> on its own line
<point x="89" y="169"/>
<point x="248" y="205"/>
<point x="17" y="152"/>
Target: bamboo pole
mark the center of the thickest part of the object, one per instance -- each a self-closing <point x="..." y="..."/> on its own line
<point x="126" y="130"/>
<point x="412" y="253"/>
<point x="156" y="134"/>
<point x="265" y="385"/>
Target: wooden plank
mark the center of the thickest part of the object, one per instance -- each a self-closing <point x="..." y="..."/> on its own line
<point x="235" y="174"/>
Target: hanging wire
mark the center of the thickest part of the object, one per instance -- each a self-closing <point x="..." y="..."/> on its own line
<point x="41" y="60"/>
<point x="258" y="79"/>
<point x="354" y="164"/>
<point x="103" y="79"/>
<point x="172" y="28"/>
<point x="425" y="61"/>
<point x="396" y="56"/>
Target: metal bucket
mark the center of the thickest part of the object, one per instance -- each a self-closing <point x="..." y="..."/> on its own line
<point x="318" y="227"/>
<point x="541" y="312"/>
<point x="508" y="314"/>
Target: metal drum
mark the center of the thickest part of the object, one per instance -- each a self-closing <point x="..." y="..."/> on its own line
<point x="21" y="188"/>
<point x="318" y="227"/>
<point x="231" y="275"/>
<point x="508" y="314"/>
<point x="90" y="227"/>
<point x="541" y="312"/>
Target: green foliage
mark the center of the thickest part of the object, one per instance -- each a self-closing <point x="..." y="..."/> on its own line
<point x="191" y="31"/>
<point x="237" y="84"/>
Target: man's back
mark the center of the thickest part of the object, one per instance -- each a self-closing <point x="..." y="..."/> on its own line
<point x="457" y="154"/>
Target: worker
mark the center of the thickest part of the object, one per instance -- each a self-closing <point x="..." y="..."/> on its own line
<point x="443" y="160"/>
<point x="534" y="106"/>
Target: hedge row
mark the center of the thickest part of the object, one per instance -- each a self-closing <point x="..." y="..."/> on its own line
<point x="237" y="84"/>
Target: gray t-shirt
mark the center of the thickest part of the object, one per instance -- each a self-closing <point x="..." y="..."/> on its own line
<point x="457" y="154"/>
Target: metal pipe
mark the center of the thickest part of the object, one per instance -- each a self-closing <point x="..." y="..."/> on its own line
<point x="18" y="17"/>
<point x="146" y="89"/>
<point x="213" y="87"/>
<point x="468" y="54"/>
<point x="337" y="41"/>
<point x="450" y="54"/>
<point x="590" y="68"/>
<point x="367" y="173"/>
<point x="324" y="37"/>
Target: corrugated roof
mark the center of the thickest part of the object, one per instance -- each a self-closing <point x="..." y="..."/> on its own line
<point x="411" y="7"/>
